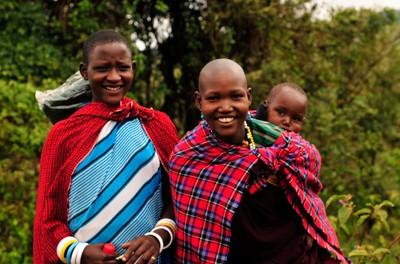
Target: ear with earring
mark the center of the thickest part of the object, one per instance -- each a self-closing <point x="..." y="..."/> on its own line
<point x="202" y="116"/>
<point x="249" y="117"/>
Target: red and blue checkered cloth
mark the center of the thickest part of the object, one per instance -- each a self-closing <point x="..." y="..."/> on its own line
<point x="209" y="176"/>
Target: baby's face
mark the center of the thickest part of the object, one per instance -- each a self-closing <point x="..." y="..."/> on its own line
<point x="287" y="109"/>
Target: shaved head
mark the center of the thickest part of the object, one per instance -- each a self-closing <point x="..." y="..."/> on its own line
<point x="218" y="68"/>
<point x="279" y="87"/>
<point x="224" y="99"/>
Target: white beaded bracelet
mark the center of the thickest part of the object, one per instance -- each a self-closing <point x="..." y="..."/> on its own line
<point x="158" y="237"/>
<point x="171" y="236"/>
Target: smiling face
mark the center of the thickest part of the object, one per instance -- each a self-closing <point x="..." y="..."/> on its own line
<point x="287" y="109"/>
<point x="110" y="71"/>
<point x="224" y="100"/>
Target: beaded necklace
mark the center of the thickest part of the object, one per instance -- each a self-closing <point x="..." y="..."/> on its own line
<point x="249" y="136"/>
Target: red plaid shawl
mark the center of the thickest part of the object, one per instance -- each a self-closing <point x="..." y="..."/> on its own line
<point x="208" y="178"/>
<point x="67" y="143"/>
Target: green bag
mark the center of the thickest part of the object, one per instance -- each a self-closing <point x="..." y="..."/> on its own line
<point x="63" y="101"/>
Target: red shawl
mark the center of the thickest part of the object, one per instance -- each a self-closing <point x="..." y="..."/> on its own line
<point x="66" y="145"/>
<point x="208" y="177"/>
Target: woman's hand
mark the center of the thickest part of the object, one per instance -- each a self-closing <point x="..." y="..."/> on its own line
<point x="93" y="254"/>
<point x="142" y="250"/>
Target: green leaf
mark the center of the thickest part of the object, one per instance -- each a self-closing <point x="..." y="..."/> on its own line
<point x="344" y="214"/>
<point x="362" y="219"/>
<point x="385" y="225"/>
<point x="380" y="251"/>
<point x="161" y="6"/>
<point x="335" y="198"/>
<point x="362" y="211"/>
<point x="359" y="252"/>
<point x="381" y="215"/>
<point x="386" y="203"/>
<point x="345" y="229"/>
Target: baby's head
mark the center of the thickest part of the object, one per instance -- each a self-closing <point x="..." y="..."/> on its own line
<point x="286" y="106"/>
<point x="107" y="64"/>
<point x="224" y="99"/>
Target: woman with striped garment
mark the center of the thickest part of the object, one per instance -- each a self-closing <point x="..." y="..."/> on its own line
<point x="103" y="170"/>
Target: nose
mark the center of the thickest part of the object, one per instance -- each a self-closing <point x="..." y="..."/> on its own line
<point x="225" y="106"/>
<point x="113" y="75"/>
<point x="286" y="121"/>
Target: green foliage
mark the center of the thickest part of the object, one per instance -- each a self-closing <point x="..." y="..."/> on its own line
<point x="367" y="229"/>
<point x="17" y="207"/>
<point x="23" y="129"/>
<point x="23" y="126"/>
<point x="27" y="47"/>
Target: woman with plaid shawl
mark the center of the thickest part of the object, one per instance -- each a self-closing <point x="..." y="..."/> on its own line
<point x="219" y="177"/>
<point x="103" y="171"/>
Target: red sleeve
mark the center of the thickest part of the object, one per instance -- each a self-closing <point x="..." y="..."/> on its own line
<point x="50" y="224"/>
<point x="296" y="159"/>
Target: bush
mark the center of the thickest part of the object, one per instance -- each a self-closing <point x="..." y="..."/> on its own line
<point x="23" y="129"/>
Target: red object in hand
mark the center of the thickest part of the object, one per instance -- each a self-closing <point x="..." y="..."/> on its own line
<point x="109" y="248"/>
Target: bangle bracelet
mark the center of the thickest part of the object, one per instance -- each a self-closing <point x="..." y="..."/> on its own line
<point x="158" y="237"/>
<point x="171" y="227"/>
<point x="79" y="251"/>
<point x="63" y="246"/>
<point x="70" y="250"/>
<point x="73" y="256"/>
<point x="171" y="236"/>
<point x="167" y="222"/>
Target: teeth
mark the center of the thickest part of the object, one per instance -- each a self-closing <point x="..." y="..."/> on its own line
<point x="225" y="119"/>
<point x="113" y="88"/>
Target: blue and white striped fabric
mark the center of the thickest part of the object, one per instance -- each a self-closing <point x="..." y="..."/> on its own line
<point x="115" y="192"/>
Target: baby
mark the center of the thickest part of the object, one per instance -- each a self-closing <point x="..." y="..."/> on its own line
<point x="285" y="106"/>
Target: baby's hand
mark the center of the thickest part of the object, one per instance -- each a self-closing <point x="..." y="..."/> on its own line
<point x="142" y="250"/>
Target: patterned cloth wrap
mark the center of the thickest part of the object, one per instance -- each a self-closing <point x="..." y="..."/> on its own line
<point x="116" y="192"/>
<point x="209" y="176"/>
<point x="67" y="144"/>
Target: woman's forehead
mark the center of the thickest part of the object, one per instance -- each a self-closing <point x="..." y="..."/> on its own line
<point x="111" y="49"/>
<point x="222" y="80"/>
